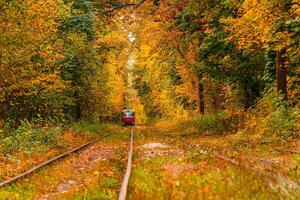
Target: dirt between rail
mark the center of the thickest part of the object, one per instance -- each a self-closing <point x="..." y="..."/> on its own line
<point x="81" y="170"/>
<point x="157" y="149"/>
<point x="154" y="149"/>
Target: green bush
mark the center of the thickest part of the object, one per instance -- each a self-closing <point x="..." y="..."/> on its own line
<point x="28" y="136"/>
<point x="273" y="118"/>
<point x="282" y="122"/>
<point x="215" y="124"/>
<point x="90" y="127"/>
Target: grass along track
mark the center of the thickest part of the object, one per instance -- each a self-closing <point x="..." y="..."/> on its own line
<point x="276" y="177"/>
<point x="173" y="166"/>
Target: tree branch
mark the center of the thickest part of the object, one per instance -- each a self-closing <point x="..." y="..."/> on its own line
<point x="2" y="6"/>
<point x="122" y="6"/>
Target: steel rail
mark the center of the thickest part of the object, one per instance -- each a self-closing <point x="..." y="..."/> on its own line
<point x="123" y="190"/>
<point x="44" y="164"/>
<point x="292" y="151"/>
<point x="272" y="176"/>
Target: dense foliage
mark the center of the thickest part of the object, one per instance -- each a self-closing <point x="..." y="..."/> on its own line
<point x="215" y="55"/>
<point x="88" y="59"/>
<point x="52" y="60"/>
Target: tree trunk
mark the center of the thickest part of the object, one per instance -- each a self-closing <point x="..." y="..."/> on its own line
<point x="77" y="106"/>
<point x="199" y="83"/>
<point x="281" y="73"/>
<point x="124" y="101"/>
<point x="200" y="95"/>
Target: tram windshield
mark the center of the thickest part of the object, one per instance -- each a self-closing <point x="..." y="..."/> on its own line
<point x="129" y="114"/>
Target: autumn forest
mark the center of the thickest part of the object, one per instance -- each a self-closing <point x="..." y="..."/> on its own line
<point x="215" y="86"/>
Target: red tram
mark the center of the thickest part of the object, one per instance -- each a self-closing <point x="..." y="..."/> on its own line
<point x="128" y="117"/>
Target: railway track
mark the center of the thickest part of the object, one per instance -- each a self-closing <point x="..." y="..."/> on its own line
<point x="275" y="177"/>
<point x="279" y="178"/>
<point x="52" y="160"/>
<point x="123" y="189"/>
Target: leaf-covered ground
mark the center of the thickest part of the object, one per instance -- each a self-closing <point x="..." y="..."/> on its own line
<point x="169" y="164"/>
<point x="178" y="165"/>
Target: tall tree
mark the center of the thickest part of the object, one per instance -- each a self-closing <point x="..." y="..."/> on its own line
<point x="30" y="85"/>
<point x="262" y="25"/>
<point x="80" y="62"/>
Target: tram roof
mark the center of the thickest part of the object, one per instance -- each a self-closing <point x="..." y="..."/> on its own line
<point x="128" y="110"/>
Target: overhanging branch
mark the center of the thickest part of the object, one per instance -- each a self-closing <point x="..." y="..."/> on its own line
<point x="122" y="6"/>
<point x="2" y="5"/>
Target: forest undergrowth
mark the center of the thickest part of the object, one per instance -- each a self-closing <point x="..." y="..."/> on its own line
<point x="33" y="143"/>
<point x="270" y="120"/>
